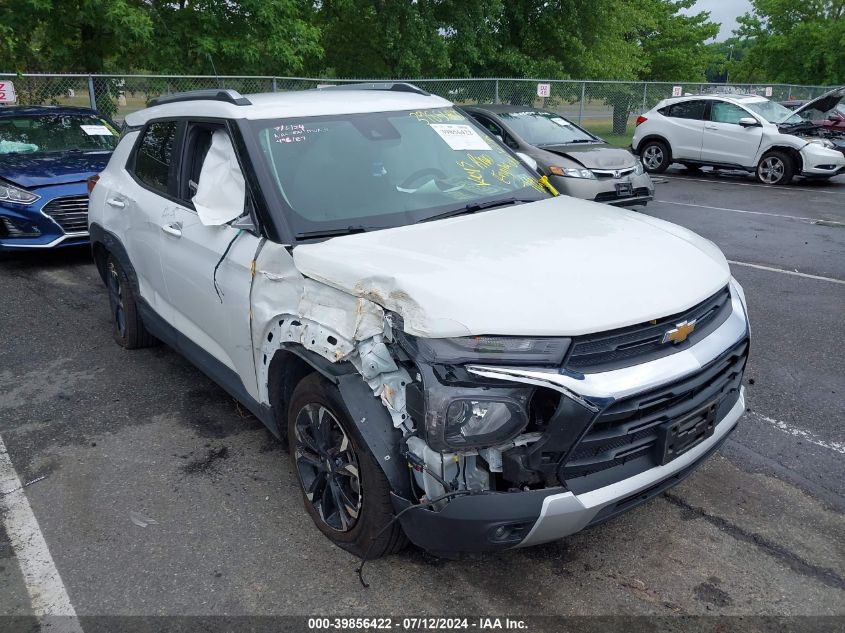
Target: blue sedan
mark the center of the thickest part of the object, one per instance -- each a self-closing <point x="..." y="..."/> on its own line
<point x="47" y="155"/>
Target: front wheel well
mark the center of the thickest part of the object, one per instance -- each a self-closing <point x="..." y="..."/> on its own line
<point x="793" y="153"/>
<point x="287" y="370"/>
<point x="100" y="255"/>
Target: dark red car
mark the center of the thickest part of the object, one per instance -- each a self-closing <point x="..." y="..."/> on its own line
<point x="827" y="110"/>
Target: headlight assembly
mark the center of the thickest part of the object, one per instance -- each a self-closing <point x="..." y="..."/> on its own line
<point x="492" y="349"/>
<point x="572" y="172"/>
<point x="823" y="142"/>
<point x="639" y="170"/>
<point x="15" y="195"/>
<point x="472" y="422"/>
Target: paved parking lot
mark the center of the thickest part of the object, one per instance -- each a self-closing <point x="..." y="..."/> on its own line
<point x="154" y="493"/>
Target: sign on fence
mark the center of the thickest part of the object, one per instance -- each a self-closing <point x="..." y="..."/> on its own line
<point x="7" y="92"/>
<point x="768" y="91"/>
<point x="677" y="91"/>
<point x="544" y="90"/>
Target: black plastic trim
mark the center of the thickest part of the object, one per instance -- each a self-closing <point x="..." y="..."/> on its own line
<point x="226" y="95"/>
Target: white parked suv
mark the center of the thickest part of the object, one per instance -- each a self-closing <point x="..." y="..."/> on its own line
<point x="438" y="337"/>
<point x="736" y="132"/>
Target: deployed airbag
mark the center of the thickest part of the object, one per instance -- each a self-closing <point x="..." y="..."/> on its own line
<point x="221" y="190"/>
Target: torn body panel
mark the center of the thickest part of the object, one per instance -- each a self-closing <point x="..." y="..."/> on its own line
<point x="290" y="308"/>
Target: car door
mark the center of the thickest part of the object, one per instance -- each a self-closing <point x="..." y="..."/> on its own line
<point x="139" y="202"/>
<point x="207" y="268"/>
<point x="725" y="140"/>
<point x="686" y="128"/>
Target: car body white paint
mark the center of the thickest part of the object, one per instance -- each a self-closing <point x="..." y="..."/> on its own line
<point x="730" y="143"/>
<point x="561" y="266"/>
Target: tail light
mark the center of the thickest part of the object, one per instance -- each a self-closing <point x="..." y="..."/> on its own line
<point x="92" y="182"/>
<point x="641" y="119"/>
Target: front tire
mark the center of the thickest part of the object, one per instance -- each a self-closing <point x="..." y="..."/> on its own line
<point x="655" y="156"/>
<point x="345" y="492"/>
<point x="775" y="168"/>
<point x="127" y="326"/>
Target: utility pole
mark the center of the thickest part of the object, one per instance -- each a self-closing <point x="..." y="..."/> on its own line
<point x="728" y="67"/>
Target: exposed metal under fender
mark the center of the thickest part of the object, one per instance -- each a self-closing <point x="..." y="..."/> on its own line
<point x="289" y="308"/>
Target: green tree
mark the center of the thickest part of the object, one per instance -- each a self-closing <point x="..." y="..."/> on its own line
<point x="381" y="38"/>
<point x="794" y="41"/>
<point x="237" y="37"/>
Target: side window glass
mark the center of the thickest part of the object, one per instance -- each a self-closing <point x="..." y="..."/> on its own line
<point x="491" y="127"/>
<point x="155" y="154"/>
<point x="688" y="110"/>
<point x="722" y="112"/>
<point x="197" y="145"/>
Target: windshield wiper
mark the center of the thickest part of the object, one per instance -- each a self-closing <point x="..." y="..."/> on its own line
<point x="472" y="207"/>
<point x="349" y="230"/>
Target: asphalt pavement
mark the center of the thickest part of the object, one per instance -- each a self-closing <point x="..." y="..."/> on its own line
<point x="153" y="493"/>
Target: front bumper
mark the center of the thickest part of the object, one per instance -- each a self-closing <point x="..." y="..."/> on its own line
<point x="503" y="520"/>
<point x="507" y="520"/>
<point x="50" y="233"/>
<point x="605" y="189"/>
<point x="821" y="161"/>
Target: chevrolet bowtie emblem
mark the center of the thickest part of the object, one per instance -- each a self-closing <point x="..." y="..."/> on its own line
<point x="679" y="333"/>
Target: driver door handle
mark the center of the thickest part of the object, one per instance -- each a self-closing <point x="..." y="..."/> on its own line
<point x="174" y="229"/>
<point x="114" y="202"/>
<point x="711" y="127"/>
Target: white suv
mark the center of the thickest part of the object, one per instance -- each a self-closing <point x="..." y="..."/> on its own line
<point x="736" y="132"/>
<point x="437" y="335"/>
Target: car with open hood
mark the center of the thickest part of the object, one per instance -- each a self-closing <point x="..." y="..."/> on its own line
<point x="576" y="162"/>
<point x="456" y="355"/>
<point x="47" y="154"/>
<point x="826" y="111"/>
<point x="737" y="131"/>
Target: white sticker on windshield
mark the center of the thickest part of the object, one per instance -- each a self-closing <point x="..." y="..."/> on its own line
<point x="560" y="121"/>
<point x="460" y="137"/>
<point x="96" y="130"/>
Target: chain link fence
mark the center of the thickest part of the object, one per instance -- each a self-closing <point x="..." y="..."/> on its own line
<point x="607" y="108"/>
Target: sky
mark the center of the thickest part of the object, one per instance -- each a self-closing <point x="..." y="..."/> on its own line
<point x="724" y="11"/>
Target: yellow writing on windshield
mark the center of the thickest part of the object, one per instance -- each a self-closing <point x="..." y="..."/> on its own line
<point x="437" y="116"/>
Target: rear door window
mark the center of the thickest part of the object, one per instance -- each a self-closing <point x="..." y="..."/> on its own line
<point x="154" y="156"/>
<point x="688" y="109"/>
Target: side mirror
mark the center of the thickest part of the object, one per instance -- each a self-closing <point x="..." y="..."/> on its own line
<point x="525" y="158"/>
<point x="499" y="138"/>
<point x="748" y="121"/>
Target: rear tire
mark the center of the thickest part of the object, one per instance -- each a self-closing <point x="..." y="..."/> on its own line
<point x="127" y="326"/>
<point x="775" y="168"/>
<point x="344" y="490"/>
<point x="655" y="156"/>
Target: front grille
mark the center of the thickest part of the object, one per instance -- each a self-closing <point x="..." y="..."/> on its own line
<point x="70" y="213"/>
<point x="644" y="342"/>
<point x="629" y="429"/>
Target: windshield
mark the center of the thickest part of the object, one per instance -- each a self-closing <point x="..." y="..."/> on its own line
<point x="545" y="128"/>
<point x="384" y="169"/>
<point x="55" y="133"/>
<point x="772" y="112"/>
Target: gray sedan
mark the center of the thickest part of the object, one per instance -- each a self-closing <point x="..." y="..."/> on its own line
<point x="577" y="163"/>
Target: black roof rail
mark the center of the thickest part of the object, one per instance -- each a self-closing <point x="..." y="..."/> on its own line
<point x="394" y="86"/>
<point x="214" y="94"/>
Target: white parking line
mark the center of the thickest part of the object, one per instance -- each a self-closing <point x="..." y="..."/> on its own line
<point x="713" y="181"/>
<point x="50" y="602"/>
<point x="776" y="215"/>
<point x="787" y="272"/>
<point x="805" y="435"/>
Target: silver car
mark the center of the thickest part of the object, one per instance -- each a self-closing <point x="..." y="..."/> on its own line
<point x="577" y="163"/>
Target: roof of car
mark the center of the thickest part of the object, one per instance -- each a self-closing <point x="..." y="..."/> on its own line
<point x="302" y="103"/>
<point x="728" y="96"/>
<point x="41" y="110"/>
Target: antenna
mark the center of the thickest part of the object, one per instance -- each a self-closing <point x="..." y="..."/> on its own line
<point x="220" y="83"/>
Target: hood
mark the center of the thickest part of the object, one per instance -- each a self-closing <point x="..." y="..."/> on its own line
<point x="825" y="103"/>
<point x="557" y="267"/>
<point x="36" y="170"/>
<point x="592" y="156"/>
